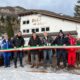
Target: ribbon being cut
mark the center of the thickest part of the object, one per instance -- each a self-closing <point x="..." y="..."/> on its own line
<point x="26" y="48"/>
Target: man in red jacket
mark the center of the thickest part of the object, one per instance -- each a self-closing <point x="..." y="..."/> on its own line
<point x="71" y="52"/>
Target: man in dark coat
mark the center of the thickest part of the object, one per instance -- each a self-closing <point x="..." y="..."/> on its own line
<point x="18" y="41"/>
<point x="60" y="40"/>
<point x="34" y="41"/>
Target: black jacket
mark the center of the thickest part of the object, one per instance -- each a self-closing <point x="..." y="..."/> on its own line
<point x="34" y="42"/>
<point x="18" y="41"/>
<point x="60" y="40"/>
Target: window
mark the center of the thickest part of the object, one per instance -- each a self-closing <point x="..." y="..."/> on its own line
<point x="24" y="31"/>
<point x="27" y="30"/>
<point x="43" y="29"/>
<point x="26" y="22"/>
<point x="47" y="28"/>
<point x="37" y="30"/>
<point x="33" y="30"/>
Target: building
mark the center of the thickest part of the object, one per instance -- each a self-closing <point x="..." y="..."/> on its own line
<point x="42" y="20"/>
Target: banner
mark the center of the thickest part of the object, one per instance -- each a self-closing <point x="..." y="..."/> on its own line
<point x="26" y="48"/>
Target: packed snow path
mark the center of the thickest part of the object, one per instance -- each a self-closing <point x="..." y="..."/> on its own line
<point x="26" y="74"/>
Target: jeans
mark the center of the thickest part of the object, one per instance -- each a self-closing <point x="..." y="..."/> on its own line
<point x="16" y="56"/>
<point x="49" y="54"/>
<point x="34" y="57"/>
<point x="60" y="53"/>
<point x="6" y="61"/>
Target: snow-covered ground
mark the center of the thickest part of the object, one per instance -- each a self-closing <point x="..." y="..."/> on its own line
<point x="27" y="74"/>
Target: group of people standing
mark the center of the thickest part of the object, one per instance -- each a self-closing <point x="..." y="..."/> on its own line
<point x="67" y="55"/>
<point x="16" y="42"/>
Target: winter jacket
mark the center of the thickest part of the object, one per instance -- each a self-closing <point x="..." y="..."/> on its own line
<point x="18" y="41"/>
<point x="34" y="42"/>
<point x="60" y="40"/>
<point x="6" y="45"/>
<point x="72" y="41"/>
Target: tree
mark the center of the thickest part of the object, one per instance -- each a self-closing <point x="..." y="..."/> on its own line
<point x="77" y="9"/>
<point x="2" y="19"/>
<point x="9" y="28"/>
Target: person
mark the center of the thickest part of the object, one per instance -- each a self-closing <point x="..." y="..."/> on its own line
<point x="34" y="41"/>
<point x="71" y="52"/>
<point x="78" y="52"/>
<point x="1" y="45"/>
<point x="6" y="55"/>
<point x="60" y="40"/>
<point x="18" y="41"/>
<point x="47" y="40"/>
<point x="67" y="44"/>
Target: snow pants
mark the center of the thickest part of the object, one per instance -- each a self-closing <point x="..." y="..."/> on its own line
<point x="71" y="58"/>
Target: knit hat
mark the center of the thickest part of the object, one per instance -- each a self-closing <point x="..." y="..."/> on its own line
<point x="61" y="32"/>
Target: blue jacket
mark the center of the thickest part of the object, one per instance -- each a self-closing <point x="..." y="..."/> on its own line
<point x="6" y="45"/>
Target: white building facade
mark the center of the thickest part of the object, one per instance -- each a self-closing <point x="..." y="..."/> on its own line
<point x="48" y="22"/>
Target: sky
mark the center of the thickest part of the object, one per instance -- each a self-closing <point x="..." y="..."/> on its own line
<point x="59" y="6"/>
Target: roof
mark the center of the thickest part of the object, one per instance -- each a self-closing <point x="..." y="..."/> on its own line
<point x="51" y="14"/>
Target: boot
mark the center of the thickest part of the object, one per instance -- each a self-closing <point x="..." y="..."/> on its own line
<point x="37" y="65"/>
<point x="21" y="65"/>
<point x="15" y="66"/>
<point x="57" y="67"/>
<point x="32" y="66"/>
